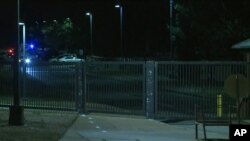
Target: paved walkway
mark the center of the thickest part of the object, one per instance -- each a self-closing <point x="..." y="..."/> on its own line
<point x="113" y="128"/>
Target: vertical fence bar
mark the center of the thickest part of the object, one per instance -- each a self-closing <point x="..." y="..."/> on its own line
<point x="84" y="87"/>
<point x="156" y="80"/>
<point x="78" y="88"/>
<point x="144" y="88"/>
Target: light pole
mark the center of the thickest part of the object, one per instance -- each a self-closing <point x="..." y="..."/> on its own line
<point x="16" y="116"/>
<point x="121" y="27"/>
<point x="91" y="33"/>
<point x="172" y="50"/>
<point x="24" y="39"/>
<point x="24" y="56"/>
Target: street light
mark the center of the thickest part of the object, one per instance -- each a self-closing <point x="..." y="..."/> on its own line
<point x="91" y="33"/>
<point x="24" y="38"/>
<point x="24" y="59"/>
<point x="121" y="26"/>
<point x="172" y="50"/>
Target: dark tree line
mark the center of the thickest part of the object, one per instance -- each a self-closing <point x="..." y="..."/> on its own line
<point x="206" y="30"/>
<point x="57" y="35"/>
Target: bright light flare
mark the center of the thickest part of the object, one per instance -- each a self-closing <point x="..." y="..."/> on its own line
<point x="27" y="61"/>
<point x="31" y="46"/>
<point x="117" y="6"/>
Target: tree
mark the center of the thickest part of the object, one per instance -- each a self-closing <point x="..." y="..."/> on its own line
<point x="65" y="33"/>
<point x="206" y="30"/>
<point x="59" y="35"/>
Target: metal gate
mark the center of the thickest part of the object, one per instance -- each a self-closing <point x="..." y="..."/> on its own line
<point x="115" y="87"/>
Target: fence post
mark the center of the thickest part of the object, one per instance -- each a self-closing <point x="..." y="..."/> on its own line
<point x="24" y="82"/>
<point x="150" y="89"/>
<point x="84" y="87"/>
<point x="79" y="90"/>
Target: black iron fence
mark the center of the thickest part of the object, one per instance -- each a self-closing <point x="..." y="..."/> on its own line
<point x="181" y="85"/>
<point x="6" y="84"/>
<point x="42" y="86"/>
<point x="115" y="87"/>
<point x="162" y="90"/>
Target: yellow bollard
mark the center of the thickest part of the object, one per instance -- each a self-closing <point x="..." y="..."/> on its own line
<point x="219" y="105"/>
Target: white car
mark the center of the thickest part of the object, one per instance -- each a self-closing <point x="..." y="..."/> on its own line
<point x="69" y="59"/>
<point x="56" y="59"/>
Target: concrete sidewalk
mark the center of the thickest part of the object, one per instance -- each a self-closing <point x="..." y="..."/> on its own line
<point x="112" y="128"/>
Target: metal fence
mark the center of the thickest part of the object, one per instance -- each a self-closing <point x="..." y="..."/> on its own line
<point x="182" y="85"/>
<point x="161" y="90"/>
<point x="6" y="84"/>
<point x="115" y="87"/>
<point x="42" y="86"/>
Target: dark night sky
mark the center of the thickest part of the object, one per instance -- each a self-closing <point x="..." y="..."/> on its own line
<point x="7" y="24"/>
<point x="142" y="20"/>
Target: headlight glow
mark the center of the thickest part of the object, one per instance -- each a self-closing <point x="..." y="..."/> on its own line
<point x="27" y="61"/>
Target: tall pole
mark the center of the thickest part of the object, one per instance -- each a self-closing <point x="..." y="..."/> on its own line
<point x="91" y="32"/>
<point x="121" y="24"/>
<point x="172" y="52"/>
<point x="16" y="60"/>
<point x="121" y="28"/>
<point x="24" y="39"/>
<point x="24" y="58"/>
<point x="16" y="116"/>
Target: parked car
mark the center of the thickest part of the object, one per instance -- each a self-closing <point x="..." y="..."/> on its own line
<point x="56" y="59"/>
<point x="69" y="59"/>
<point x="66" y="58"/>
